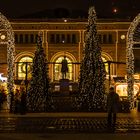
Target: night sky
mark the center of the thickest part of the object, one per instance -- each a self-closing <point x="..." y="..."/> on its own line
<point x="104" y="8"/>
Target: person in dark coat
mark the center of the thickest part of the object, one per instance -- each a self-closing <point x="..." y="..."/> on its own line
<point x="64" y="68"/>
<point x="112" y="106"/>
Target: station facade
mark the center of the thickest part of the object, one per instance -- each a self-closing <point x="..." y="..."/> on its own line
<point x="65" y="37"/>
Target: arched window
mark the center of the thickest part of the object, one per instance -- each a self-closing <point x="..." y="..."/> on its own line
<point x="57" y="69"/>
<point x="106" y="64"/>
<point x="21" y="67"/>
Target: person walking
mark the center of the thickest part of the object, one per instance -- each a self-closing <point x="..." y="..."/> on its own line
<point x="112" y="107"/>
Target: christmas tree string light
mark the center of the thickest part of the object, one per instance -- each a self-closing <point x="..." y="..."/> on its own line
<point x="92" y="70"/>
<point x="39" y="85"/>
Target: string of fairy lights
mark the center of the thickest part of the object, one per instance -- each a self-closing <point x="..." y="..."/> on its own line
<point x="130" y="57"/>
<point x="5" y="24"/>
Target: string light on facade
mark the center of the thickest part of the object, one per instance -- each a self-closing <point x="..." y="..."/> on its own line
<point x="5" y="24"/>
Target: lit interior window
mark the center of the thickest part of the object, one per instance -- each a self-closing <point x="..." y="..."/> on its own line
<point x="106" y="64"/>
<point x="22" y="67"/>
<point x="57" y="69"/>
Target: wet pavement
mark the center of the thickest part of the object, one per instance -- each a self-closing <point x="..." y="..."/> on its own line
<point x="45" y="124"/>
<point x="68" y="123"/>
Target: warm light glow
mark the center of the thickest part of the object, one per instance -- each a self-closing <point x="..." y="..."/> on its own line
<point x="2" y="37"/>
<point x="121" y="89"/>
<point x="22" y="67"/>
<point x="65" y="20"/>
<point x="122" y="37"/>
<point x="57" y="69"/>
<point x="115" y="10"/>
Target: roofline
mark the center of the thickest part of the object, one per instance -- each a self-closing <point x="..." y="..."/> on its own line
<point x="61" y="20"/>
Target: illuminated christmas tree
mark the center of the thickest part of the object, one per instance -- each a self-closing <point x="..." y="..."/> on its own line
<point x="39" y="84"/>
<point x="92" y="71"/>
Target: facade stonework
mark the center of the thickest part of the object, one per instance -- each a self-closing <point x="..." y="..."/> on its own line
<point x="66" y="37"/>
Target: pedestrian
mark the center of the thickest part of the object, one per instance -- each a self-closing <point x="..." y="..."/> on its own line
<point x="112" y="107"/>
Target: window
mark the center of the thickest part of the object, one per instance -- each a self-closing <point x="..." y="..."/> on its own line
<point x="16" y="38"/>
<point x="105" y="64"/>
<point x="62" y="38"/>
<point x="57" y="69"/>
<point x="68" y="38"/>
<point x="52" y="38"/>
<point x="31" y="38"/>
<point x="21" y="68"/>
<point x="104" y="38"/>
<point x="73" y="38"/>
<point x="20" y="38"/>
<point x="110" y="40"/>
<point x="26" y="38"/>
<point x="57" y="38"/>
<point x="36" y="36"/>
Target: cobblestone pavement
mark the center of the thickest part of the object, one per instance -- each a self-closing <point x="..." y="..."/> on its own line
<point x="67" y="125"/>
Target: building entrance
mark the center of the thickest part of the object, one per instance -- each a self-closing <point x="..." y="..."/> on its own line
<point x="58" y="66"/>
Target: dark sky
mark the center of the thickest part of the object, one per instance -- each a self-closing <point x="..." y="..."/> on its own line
<point x="17" y="8"/>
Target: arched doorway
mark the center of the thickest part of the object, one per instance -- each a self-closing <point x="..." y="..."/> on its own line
<point x="23" y="62"/>
<point x="55" y="67"/>
<point x="21" y="67"/>
<point x="133" y="37"/>
<point x="7" y="30"/>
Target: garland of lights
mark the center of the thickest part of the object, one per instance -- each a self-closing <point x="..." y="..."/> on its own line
<point x="130" y="59"/>
<point x="5" y="24"/>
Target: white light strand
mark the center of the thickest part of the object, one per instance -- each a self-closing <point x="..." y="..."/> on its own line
<point x="130" y="59"/>
<point x="4" y="23"/>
